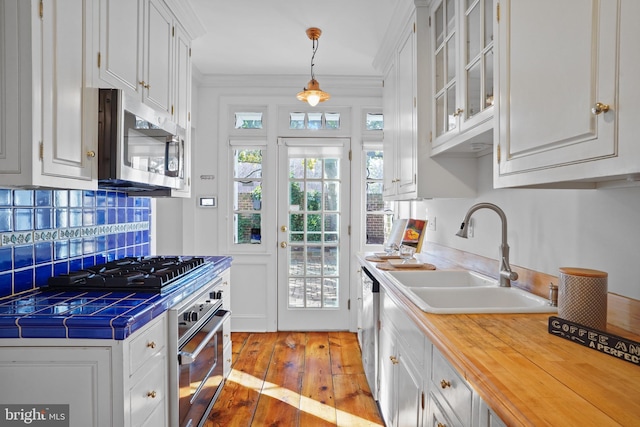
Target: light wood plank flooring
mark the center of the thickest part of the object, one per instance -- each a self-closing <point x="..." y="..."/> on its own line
<point x="292" y="379"/>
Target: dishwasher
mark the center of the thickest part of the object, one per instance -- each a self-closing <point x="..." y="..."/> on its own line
<point x="369" y="329"/>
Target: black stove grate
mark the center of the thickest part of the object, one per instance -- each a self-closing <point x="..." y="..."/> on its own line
<point x="149" y="274"/>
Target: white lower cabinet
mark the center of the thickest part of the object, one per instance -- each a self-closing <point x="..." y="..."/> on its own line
<point x="418" y="386"/>
<point x="401" y="396"/>
<point x="106" y="383"/>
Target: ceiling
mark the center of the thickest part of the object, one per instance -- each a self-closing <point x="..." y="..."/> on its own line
<point x="265" y="37"/>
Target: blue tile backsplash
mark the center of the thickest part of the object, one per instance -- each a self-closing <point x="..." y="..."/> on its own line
<point x="50" y="232"/>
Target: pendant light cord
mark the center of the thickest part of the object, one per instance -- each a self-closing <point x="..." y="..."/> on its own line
<point x="315" y="44"/>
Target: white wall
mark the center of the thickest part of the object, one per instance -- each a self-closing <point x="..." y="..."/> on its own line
<point x="549" y="229"/>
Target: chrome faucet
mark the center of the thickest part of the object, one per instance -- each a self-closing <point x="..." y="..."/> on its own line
<point x="505" y="274"/>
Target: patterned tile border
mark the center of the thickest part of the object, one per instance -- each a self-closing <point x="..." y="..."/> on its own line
<point x="37" y="236"/>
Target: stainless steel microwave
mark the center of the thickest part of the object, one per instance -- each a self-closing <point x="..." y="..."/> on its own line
<point x="138" y="149"/>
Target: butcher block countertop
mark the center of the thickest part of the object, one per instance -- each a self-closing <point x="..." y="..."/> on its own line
<point x="526" y="375"/>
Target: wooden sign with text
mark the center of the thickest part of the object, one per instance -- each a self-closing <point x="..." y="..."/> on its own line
<point x="601" y="341"/>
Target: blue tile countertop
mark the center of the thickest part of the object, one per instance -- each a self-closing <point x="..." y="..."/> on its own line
<point x="97" y="314"/>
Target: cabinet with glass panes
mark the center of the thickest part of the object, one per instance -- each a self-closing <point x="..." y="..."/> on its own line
<point x="462" y="33"/>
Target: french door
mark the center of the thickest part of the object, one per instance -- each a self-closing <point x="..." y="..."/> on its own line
<point x="313" y="233"/>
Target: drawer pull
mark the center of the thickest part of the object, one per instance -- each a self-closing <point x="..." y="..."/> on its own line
<point x="445" y="383"/>
<point x="152" y="394"/>
<point x="441" y="425"/>
<point x="151" y="344"/>
<point x="394" y="360"/>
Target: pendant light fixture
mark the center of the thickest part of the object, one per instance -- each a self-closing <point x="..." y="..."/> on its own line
<point x="312" y="94"/>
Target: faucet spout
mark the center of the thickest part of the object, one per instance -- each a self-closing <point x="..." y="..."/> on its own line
<point x="505" y="274"/>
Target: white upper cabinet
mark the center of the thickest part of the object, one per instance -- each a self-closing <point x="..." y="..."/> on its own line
<point x="409" y="170"/>
<point x="462" y="61"/>
<point x="568" y="94"/>
<point x="142" y="49"/>
<point x="48" y="114"/>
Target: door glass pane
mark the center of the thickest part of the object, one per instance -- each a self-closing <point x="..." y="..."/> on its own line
<point x="488" y="24"/>
<point x="473" y="33"/>
<point x="440" y="121"/>
<point x="247" y="228"/>
<point x="474" y="94"/>
<point x="439" y="70"/>
<point x="451" y="59"/>
<point x="439" y="18"/>
<point x="314" y="224"/>
<point x="488" y="78"/>
<point x="451" y="15"/>
<point x="451" y="107"/>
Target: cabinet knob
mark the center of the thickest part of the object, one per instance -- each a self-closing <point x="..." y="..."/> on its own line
<point x="600" y="108"/>
<point x="283" y="228"/>
<point x="152" y="394"/>
<point x="445" y="383"/>
<point x="91" y="153"/>
<point x="151" y="344"/>
<point x="394" y="360"/>
<point x="283" y="245"/>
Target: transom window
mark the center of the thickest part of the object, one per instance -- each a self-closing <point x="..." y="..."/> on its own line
<point x="314" y="120"/>
<point x="248" y="120"/>
<point x="374" y="121"/>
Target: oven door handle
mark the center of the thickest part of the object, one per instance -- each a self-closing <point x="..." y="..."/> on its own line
<point x="187" y="358"/>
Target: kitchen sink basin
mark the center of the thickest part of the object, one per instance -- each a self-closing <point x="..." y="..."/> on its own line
<point x="477" y="299"/>
<point x="440" y="279"/>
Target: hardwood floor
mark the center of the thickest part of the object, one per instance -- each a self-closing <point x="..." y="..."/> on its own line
<point x="293" y="379"/>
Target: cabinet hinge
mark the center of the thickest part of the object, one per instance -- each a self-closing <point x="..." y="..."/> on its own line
<point x="350" y="154"/>
<point x="349" y="230"/>
<point x="189" y="52"/>
<point x="414" y="27"/>
<point x="415" y="178"/>
<point x="348" y="304"/>
<point x="383" y="83"/>
<point x="430" y="136"/>
<point x="498" y="154"/>
<point x="172" y="110"/>
<point x="415" y="102"/>
<point x="173" y="31"/>
<point x="41" y="151"/>
<point x="379" y="325"/>
<point x="422" y="400"/>
<point x="99" y="59"/>
<point x="41" y="9"/>
<point x="498" y="12"/>
<point x="189" y="116"/>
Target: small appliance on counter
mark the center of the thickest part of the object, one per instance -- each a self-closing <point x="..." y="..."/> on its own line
<point x="582" y="296"/>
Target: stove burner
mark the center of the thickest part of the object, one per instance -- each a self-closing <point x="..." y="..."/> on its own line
<point x="132" y="274"/>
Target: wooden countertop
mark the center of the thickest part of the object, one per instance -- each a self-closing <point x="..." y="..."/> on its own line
<point x="526" y="375"/>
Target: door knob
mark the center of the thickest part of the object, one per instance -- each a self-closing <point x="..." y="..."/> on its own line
<point x="600" y="108"/>
<point x="283" y="244"/>
<point x="91" y="153"/>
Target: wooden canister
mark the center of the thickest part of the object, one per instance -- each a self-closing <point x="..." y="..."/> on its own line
<point x="582" y="296"/>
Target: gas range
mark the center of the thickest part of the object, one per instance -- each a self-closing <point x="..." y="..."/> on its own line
<point x="149" y="274"/>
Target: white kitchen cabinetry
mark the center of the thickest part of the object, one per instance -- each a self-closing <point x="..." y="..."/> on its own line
<point x="227" y="350"/>
<point x="401" y="396"/>
<point x="48" y="116"/>
<point x="567" y="97"/>
<point x="140" y="47"/>
<point x="450" y="394"/>
<point x="107" y="383"/>
<point x="410" y="171"/>
<point x="462" y="67"/>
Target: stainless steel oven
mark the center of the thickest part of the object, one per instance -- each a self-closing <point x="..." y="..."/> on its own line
<point x="198" y="362"/>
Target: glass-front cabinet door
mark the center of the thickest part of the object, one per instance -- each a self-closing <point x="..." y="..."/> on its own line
<point x="462" y="58"/>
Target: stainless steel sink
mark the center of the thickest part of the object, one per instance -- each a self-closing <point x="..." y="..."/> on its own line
<point x="441" y="278"/>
